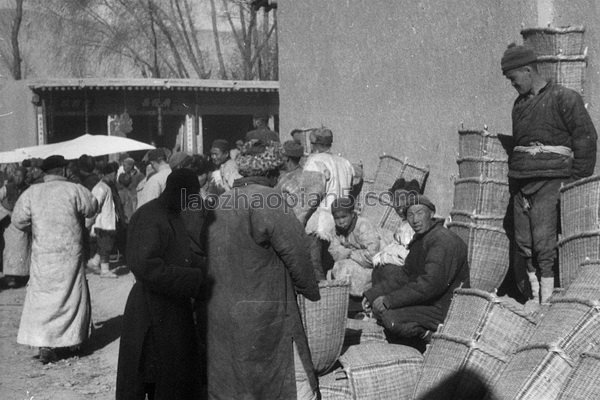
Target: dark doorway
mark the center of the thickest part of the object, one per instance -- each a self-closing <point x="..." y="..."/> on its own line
<point x="228" y="127"/>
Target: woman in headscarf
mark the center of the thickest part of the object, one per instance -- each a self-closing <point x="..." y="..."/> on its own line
<point x="258" y="259"/>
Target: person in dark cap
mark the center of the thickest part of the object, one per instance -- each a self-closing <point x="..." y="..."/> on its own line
<point x="290" y="180"/>
<point x="261" y="130"/>
<point x="412" y="302"/>
<point x="258" y="259"/>
<point x="156" y="183"/>
<point x="221" y="179"/>
<point x="355" y="243"/>
<point x="34" y="171"/>
<point x="86" y="166"/>
<point x="555" y="142"/>
<point x="158" y="353"/>
<point x="57" y="309"/>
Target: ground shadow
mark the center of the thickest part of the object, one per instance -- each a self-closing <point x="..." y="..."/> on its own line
<point x="463" y="385"/>
<point x="104" y="333"/>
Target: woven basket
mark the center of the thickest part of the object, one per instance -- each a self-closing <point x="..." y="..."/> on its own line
<point x="535" y="372"/>
<point x="325" y="323"/>
<point x="583" y="383"/>
<point x="481" y="196"/>
<point x="586" y="285"/>
<point x="553" y="41"/>
<point x="375" y="206"/>
<point x="359" y="331"/>
<point x="488" y="255"/>
<point x="382" y="371"/>
<point x="483" y="317"/>
<point x="484" y="220"/>
<point x="568" y="71"/>
<point x="458" y="369"/>
<point x="334" y="386"/>
<point x="571" y="324"/>
<point x="494" y="168"/>
<point x="574" y="250"/>
<point x="580" y="206"/>
<point x="478" y="144"/>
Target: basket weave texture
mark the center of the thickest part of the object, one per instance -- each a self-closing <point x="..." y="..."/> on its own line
<point x="535" y="372"/>
<point x="586" y="285"/>
<point x="325" y="323"/>
<point x="373" y="206"/>
<point x="382" y="371"/>
<point x="580" y="206"/>
<point x="488" y="254"/>
<point x="334" y="386"/>
<point x="583" y="383"/>
<point x="554" y="40"/>
<point x="483" y="317"/>
<point x="573" y="251"/>
<point x="486" y="220"/>
<point x="481" y="196"/>
<point x="571" y="324"/>
<point x="478" y="144"/>
<point x="494" y="168"/>
<point x="568" y="71"/>
<point x="358" y="331"/>
<point x="458" y="369"/>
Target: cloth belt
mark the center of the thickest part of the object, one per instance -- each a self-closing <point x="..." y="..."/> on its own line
<point x="541" y="148"/>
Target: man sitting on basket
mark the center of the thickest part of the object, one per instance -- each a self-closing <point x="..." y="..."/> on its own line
<point x="414" y="300"/>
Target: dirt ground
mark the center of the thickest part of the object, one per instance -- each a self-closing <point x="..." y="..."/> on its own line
<point x="90" y="376"/>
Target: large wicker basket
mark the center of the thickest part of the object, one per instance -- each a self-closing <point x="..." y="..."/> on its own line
<point x="534" y="372"/>
<point x="580" y="206"/>
<point x="376" y="201"/>
<point x="583" y="383"/>
<point x="478" y="144"/>
<point x="586" y="285"/>
<point x="574" y="250"/>
<point x="486" y="167"/>
<point x="455" y="368"/>
<point x="571" y="324"/>
<point x="481" y="316"/>
<point x="552" y="41"/>
<point x="568" y="71"/>
<point x="334" y="386"/>
<point x="382" y="371"/>
<point x="488" y="255"/>
<point x="325" y="322"/>
<point x="481" y="196"/>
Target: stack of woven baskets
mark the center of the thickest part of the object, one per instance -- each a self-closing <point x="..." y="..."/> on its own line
<point x="545" y="366"/>
<point x="472" y="347"/>
<point x="481" y="198"/>
<point x="374" y="202"/>
<point x="561" y="54"/>
<point x="580" y="226"/>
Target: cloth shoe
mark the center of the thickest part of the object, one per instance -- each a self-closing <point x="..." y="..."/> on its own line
<point x="547" y="289"/>
<point x="47" y="355"/>
<point x="105" y="271"/>
<point x="93" y="264"/>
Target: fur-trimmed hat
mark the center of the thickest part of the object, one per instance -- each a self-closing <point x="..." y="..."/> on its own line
<point x="258" y="158"/>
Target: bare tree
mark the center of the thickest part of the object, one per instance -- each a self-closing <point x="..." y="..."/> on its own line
<point x="14" y="38"/>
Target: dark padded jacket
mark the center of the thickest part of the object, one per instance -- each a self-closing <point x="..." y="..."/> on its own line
<point x="435" y="266"/>
<point x="556" y="116"/>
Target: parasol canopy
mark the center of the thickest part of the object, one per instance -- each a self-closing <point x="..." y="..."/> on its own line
<point x="93" y="145"/>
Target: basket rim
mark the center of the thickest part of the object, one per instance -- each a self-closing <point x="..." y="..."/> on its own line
<point x="576" y="300"/>
<point x="333" y="283"/>
<point x="554" y="29"/>
<point x="478" y="132"/>
<point x="562" y="58"/>
<point x="479" y="179"/>
<point x="579" y="182"/>
<point x="481" y="159"/>
<point x="589" y="262"/>
<point x="471" y="225"/>
<point x="579" y="236"/>
<point x="405" y="162"/>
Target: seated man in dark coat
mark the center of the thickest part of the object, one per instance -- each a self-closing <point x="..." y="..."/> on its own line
<point x="414" y="299"/>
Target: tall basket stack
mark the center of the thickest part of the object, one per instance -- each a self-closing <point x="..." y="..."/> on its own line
<point x="481" y="197"/>
<point x="580" y="226"/>
<point x="561" y="54"/>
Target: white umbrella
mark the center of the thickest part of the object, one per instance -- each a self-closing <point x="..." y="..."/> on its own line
<point x="13" y="156"/>
<point x="93" y="145"/>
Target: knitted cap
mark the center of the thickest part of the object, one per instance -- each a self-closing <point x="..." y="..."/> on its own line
<point x="516" y="57"/>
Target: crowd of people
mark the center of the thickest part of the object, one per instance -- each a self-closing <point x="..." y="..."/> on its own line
<point x="220" y="247"/>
